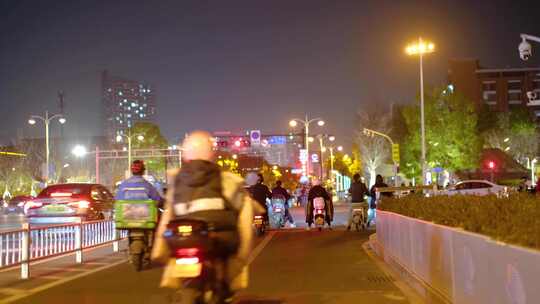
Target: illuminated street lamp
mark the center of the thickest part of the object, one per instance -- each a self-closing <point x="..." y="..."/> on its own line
<point x="47" y="120"/>
<point x="306" y="122"/>
<point x="79" y="151"/>
<point x="420" y="48"/>
<point x="129" y="138"/>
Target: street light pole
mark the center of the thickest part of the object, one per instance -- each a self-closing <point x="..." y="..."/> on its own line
<point x="372" y="133"/>
<point x="422" y="117"/>
<point x="129" y="137"/>
<point x="46" y="121"/>
<point x="420" y="48"/>
<point x="306" y="122"/>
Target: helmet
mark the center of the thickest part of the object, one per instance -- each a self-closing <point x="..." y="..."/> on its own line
<point x="251" y="179"/>
<point x="137" y="167"/>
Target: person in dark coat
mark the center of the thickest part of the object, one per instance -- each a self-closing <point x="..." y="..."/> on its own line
<point x="318" y="191"/>
<point x="357" y="191"/>
<point x="260" y="192"/>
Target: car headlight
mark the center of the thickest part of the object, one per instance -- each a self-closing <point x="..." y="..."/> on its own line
<point x="5" y="204"/>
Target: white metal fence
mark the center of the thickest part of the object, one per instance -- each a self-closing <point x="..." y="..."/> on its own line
<point x="22" y="246"/>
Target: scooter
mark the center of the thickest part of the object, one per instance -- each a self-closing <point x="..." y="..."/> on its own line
<point x="139" y="218"/>
<point x="278" y="212"/>
<point x="359" y="218"/>
<point x="319" y="212"/>
<point x="259" y="224"/>
<point x="197" y="257"/>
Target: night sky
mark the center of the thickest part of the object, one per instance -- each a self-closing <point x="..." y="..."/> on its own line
<point x="240" y="65"/>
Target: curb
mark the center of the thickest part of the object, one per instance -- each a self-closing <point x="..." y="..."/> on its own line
<point x="429" y="294"/>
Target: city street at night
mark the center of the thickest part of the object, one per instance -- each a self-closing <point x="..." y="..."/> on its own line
<point x="293" y="266"/>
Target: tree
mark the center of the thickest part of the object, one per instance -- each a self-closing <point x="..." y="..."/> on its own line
<point x="373" y="150"/>
<point x="452" y="139"/>
<point x="153" y="139"/>
<point x="514" y="132"/>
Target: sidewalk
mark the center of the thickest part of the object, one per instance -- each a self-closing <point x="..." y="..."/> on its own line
<point x="47" y="273"/>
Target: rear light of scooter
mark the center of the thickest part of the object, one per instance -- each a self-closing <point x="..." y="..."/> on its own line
<point x="319" y="211"/>
<point x="277" y="210"/>
<point x="258" y="216"/>
<point x="187" y="256"/>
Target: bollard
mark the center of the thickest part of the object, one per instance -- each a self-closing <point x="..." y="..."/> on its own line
<point x="116" y="238"/>
<point x="78" y="242"/>
<point x="25" y="257"/>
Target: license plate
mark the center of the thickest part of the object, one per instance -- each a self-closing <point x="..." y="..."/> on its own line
<point x="257" y="221"/>
<point x="55" y="208"/>
<point x="187" y="271"/>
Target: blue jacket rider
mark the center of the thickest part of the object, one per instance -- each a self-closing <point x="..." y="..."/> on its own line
<point x="136" y="187"/>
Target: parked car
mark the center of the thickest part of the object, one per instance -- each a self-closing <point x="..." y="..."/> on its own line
<point x="16" y="204"/>
<point x="64" y="203"/>
<point x="476" y="187"/>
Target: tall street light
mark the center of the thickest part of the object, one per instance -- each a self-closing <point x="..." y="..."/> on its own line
<point x="47" y="120"/>
<point x="420" y="48"/>
<point x="323" y="149"/>
<point x="306" y="122"/>
<point x="331" y="148"/>
<point x="129" y="138"/>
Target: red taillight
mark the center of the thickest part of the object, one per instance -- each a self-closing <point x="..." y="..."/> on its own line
<point x="319" y="211"/>
<point x="187" y="252"/>
<point x="188" y="261"/>
<point x="80" y="204"/>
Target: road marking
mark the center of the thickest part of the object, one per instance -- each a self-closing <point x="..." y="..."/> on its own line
<point x="260" y="247"/>
<point x="47" y="260"/>
<point x="12" y="290"/>
<point x="96" y="263"/>
<point x="59" y="282"/>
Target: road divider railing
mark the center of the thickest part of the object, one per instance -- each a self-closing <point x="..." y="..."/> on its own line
<point x="23" y="246"/>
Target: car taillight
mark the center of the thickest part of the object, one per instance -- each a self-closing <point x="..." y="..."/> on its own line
<point x="80" y="204"/>
<point x="32" y="205"/>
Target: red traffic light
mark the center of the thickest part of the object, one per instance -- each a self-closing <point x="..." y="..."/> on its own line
<point x="491" y="164"/>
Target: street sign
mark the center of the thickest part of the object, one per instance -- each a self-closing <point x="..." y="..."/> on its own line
<point x="314" y="158"/>
<point x="255" y="136"/>
<point x="395" y="153"/>
<point x="277" y="140"/>
<point x="297" y="171"/>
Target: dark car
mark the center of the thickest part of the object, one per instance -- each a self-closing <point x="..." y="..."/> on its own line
<point x="16" y="204"/>
<point x="64" y="203"/>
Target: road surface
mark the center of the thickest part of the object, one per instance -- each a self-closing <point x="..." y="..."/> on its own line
<point x="293" y="266"/>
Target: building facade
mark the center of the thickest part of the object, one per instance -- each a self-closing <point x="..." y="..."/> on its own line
<point x="126" y="102"/>
<point x="497" y="89"/>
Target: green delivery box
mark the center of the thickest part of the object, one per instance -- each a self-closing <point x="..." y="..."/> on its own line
<point x="135" y="214"/>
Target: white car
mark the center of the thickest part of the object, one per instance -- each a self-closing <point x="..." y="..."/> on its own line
<point x="477" y="187"/>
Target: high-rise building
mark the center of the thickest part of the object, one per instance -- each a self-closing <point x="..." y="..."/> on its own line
<point x="125" y="102"/>
<point x="497" y="89"/>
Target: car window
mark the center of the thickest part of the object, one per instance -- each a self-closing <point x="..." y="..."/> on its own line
<point x="96" y="193"/>
<point x="463" y="186"/>
<point x="106" y="194"/>
<point x="480" y="185"/>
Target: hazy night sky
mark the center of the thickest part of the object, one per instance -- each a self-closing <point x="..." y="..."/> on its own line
<point x="240" y="65"/>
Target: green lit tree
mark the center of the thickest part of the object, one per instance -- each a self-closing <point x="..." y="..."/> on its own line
<point x="153" y="139"/>
<point x="452" y="139"/>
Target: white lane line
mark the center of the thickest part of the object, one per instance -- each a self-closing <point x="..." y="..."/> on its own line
<point x="59" y="282"/>
<point x="260" y="247"/>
